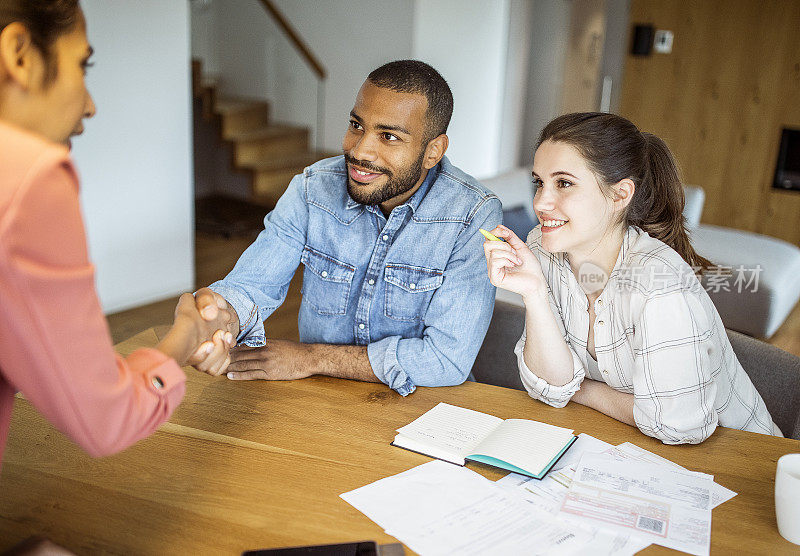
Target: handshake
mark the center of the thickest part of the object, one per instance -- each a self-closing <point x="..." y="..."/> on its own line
<point x="205" y="329"/>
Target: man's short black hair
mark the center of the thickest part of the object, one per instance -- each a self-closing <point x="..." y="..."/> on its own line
<point x="413" y="76"/>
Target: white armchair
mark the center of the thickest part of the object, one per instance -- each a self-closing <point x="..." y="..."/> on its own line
<point x="765" y="285"/>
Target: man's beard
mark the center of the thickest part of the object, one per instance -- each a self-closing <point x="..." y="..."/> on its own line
<point x="394" y="186"/>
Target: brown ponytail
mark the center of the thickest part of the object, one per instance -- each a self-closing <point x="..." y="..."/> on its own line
<point x="615" y="150"/>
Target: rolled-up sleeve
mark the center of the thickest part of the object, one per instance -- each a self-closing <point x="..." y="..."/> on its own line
<point x="55" y="347"/>
<point x="673" y="380"/>
<point x="259" y="282"/>
<point x="538" y="388"/>
<point x="456" y="320"/>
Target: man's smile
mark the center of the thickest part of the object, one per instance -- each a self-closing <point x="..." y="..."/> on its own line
<point x="363" y="176"/>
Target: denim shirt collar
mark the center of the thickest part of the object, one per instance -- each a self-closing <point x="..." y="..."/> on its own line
<point x="413" y="202"/>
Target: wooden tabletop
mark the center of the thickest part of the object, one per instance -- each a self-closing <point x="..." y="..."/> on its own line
<point x="246" y="465"/>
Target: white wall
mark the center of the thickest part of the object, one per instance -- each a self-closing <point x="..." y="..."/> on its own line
<point x="204" y="34"/>
<point x="616" y="47"/>
<point x="253" y="58"/>
<point x="243" y="45"/>
<point x="467" y="42"/>
<point x="350" y="39"/>
<point x="549" y="28"/>
<point x="475" y="45"/>
<point x="550" y="33"/>
<point x="516" y="84"/>
<point x="135" y="156"/>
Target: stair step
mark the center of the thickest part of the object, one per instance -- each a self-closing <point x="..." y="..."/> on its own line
<point x="241" y="115"/>
<point x="229" y="105"/>
<point x="290" y="160"/>
<point x="269" y="186"/>
<point x="272" y="176"/>
<point x="273" y="141"/>
<point x="269" y="132"/>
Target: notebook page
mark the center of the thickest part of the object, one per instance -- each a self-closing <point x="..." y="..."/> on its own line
<point x="526" y="444"/>
<point x="454" y="429"/>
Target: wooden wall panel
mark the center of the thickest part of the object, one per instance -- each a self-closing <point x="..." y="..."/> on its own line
<point x="719" y="101"/>
<point x="781" y="213"/>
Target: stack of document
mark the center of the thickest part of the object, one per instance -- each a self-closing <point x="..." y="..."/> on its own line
<point x="626" y="488"/>
<point x="601" y="499"/>
<point x="439" y="508"/>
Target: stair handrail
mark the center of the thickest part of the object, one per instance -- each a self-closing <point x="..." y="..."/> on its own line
<point x="287" y="28"/>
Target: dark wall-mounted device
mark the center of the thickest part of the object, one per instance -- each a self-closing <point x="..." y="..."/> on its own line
<point x="642" y="40"/>
<point x="787" y="169"/>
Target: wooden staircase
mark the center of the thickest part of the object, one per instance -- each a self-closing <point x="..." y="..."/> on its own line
<point x="269" y="153"/>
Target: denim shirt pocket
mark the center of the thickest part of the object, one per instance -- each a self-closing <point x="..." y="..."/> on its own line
<point x="409" y="290"/>
<point x="326" y="282"/>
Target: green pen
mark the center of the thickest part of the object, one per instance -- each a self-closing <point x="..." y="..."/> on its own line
<point x="488" y="235"/>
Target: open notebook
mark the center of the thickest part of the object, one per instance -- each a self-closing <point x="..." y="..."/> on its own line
<point x="456" y="434"/>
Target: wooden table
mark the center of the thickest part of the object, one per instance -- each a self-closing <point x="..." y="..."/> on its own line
<point x="245" y="465"/>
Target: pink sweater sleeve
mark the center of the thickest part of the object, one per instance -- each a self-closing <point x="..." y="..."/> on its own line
<point x="54" y="342"/>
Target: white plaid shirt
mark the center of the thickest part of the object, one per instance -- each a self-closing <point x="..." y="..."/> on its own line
<point x="657" y="336"/>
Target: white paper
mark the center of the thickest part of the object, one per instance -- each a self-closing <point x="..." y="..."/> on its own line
<point x="422" y="493"/>
<point x="548" y="494"/>
<point x="585" y="443"/>
<point x="628" y="451"/>
<point x="667" y="506"/>
<point x="456" y="430"/>
<point x="439" y="508"/>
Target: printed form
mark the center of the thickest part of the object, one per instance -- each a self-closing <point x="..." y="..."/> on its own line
<point x="628" y="451"/>
<point x="664" y="505"/>
<point x="548" y="493"/>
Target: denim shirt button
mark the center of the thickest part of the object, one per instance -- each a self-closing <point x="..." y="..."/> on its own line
<point x="324" y="273"/>
<point x="371" y="282"/>
<point x="412" y="286"/>
<point x="385" y="237"/>
<point x="361" y="326"/>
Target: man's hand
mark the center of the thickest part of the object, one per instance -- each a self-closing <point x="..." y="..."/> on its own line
<point x="194" y="338"/>
<point x="277" y="360"/>
<point x="209" y="303"/>
<point x="212" y="356"/>
<point x="287" y="360"/>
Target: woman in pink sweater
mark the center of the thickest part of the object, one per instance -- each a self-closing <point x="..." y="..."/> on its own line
<point x="54" y="342"/>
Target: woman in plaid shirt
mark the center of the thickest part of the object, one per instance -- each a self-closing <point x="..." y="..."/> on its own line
<point x="622" y="323"/>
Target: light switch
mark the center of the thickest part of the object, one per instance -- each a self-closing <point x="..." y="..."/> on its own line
<point x="663" y="41"/>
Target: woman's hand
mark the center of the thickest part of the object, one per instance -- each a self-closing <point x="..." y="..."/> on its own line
<point x="603" y="398"/>
<point x="513" y="266"/>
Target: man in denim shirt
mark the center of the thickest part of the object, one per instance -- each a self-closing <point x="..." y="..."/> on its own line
<point x="395" y="288"/>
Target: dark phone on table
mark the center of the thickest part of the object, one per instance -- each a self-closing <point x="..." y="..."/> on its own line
<point x="366" y="548"/>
